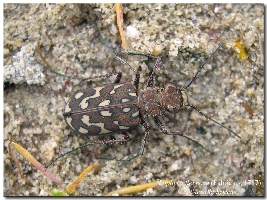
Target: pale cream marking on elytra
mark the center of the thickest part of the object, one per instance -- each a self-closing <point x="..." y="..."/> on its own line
<point x="124" y="100"/>
<point x="135" y="114"/>
<point x="83" y="103"/>
<point x="126" y="109"/>
<point x="120" y="127"/>
<point x="97" y="92"/>
<point x="132" y="94"/>
<point x="67" y="108"/>
<point x="69" y="119"/>
<point x="106" y="113"/>
<point x="115" y="87"/>
<point x="104" y="103"/>
<point x="83" y="130"/>
<point x="78" y="95"/>
<point x="86" y="120"/>
<point x="103" y="130"/>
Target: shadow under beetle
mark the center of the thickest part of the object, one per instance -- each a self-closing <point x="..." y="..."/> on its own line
<point x="117" y="108"/>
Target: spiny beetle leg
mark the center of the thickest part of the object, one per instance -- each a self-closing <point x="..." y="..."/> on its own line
<point x="104" y="76"/>
<point x="118" y="78"/>
<point x="150" y="82"/>
<point x="146" y="126"/>
<point x="165" y="131"/>
<point x="137" y="76"/>
<point x="136" y="80"/>
<point x="116" y="54"/>
<point x="125" y="139"/>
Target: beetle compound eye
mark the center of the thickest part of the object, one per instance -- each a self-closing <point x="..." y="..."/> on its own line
<point x="174" y="110"/>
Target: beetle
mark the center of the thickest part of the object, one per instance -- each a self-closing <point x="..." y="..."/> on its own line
<point x="117" y="108"/>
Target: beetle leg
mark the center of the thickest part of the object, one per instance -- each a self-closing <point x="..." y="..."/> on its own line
<point x="163" y="128"/>
<point x="124" y="140"/>
<point x="150" y="82"/>
<point x="146" y="126"/>
<point x="136" y="80"/>
<point x="118" y="78"/>
<point x="165" y="131"/>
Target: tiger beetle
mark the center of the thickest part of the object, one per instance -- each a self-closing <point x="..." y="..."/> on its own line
<point x="117" y="108"/>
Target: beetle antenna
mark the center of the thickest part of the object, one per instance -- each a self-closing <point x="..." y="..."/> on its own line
<point x="201" y="67"/>
<point x="218" y="123"/>
<point x="195" y="107"/>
